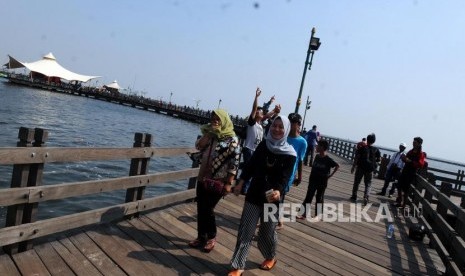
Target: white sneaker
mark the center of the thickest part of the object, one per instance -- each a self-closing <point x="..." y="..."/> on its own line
<point x="315" y="219"/>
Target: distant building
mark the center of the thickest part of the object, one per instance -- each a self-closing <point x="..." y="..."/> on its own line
<point x="49" y="70"/>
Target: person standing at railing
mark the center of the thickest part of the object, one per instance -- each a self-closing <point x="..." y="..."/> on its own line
<point x="270" y="168"/>
<point x="365" y="163"/>
<point x="414" y="160"/>
<point x="394" y="168"/>
<point x="220" y="161"/>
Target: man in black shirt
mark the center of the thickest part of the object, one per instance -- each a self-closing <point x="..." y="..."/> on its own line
<point x="365" y="162"/>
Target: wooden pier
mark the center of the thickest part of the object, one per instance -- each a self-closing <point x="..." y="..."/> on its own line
<point x="167" y="108"/>
<point x="149" y="236"/>
<point x="155" y="243"/>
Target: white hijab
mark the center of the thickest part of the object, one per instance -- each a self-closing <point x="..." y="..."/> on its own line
<point x="280" y="146"/>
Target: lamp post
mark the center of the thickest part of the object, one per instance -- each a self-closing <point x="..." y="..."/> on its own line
<point x="171" y="95"/>
<point x="307" y="107"/>
<point x="219" y="103"/>
<point x="313" y="45"/>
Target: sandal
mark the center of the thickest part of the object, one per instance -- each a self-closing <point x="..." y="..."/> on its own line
<point x="196" y="243"/>
<point x="300" y="217"/>
<point x="209" y="245"/>
<point x="268" y="264"/>
<point x="236" y="272"/>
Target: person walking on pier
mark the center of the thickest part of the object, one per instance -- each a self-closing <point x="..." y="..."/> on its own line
<point x="414" y="160"/>
<point x="270" y="168"/>
<point x="365" y="163"/>
<point x="220" y="161"/>
<point x="394" y="168"/>
<point x="318" y="181"/>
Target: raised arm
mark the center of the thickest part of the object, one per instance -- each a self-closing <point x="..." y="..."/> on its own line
<point x="272" y="113"/>
<point x="255" y="104"/>
<point x="268" y="104"/>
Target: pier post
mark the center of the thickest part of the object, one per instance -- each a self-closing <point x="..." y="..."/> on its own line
<point x="460" y="176"/>
<point x="195" y="164"/>
<point x="446" y="189"/>
<point x="139" y="166"/>
<point x="25" y="175"/>
<point x="35" y="179"/>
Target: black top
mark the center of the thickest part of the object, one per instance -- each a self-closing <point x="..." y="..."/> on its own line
<point x="268" y="171"/>
<point x="321" y="168"/>
<point x="368" y="158"/>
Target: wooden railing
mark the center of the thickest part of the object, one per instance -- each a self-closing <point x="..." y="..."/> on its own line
<point x="456" y="179"/>
<point x="342" y="148"/>
<point x="444" y="220"/>
<point x="26" y="191"/>
<point x="346" y="149"/>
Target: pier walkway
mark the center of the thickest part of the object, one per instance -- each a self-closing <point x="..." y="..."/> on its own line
<point x="155" y="243"/>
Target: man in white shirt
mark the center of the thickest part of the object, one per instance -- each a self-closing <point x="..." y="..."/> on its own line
<point x="394" y="168"/>
<point x="254" y="133"/>
<point x="255" y="130"/>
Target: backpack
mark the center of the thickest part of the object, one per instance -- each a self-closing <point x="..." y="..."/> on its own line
<point x="369" y="158"/>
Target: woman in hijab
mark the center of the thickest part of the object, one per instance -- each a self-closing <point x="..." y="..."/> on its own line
<point x="270" y="168"/>
<point x="220" y="160"/>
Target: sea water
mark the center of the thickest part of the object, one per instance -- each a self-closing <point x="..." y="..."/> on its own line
<point x="74" y="121"/>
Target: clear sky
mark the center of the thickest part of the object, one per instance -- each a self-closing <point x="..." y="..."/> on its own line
<point x="394" y="67"/>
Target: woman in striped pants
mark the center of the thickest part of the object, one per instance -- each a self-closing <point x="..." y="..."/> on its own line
<point x="270" y="168"/>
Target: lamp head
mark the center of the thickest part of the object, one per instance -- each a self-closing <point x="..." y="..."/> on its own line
<point x="315" y="43"/>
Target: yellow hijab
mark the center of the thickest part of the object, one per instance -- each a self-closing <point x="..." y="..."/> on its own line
<point x="226" y="129"/>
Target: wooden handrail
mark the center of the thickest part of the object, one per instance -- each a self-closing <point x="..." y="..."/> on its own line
<point x="27" y="191"/>
<point x="346" y="149"/>
<point x="448" y="239"/>
<point x="65" y="190"/>
<point x="11" y="156"/>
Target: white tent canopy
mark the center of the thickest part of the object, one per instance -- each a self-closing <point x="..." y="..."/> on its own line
<point x="113" y="85"/>
<point x="49" y="67"/>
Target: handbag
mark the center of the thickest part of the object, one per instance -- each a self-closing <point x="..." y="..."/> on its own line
<point x="214" y="186"/>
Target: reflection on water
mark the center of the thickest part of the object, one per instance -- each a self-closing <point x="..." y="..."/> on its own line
<point x="74" y="121"/>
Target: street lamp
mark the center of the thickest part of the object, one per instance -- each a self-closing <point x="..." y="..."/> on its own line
<point x="307" y="107"/>
<point x="313" y="45"/>
<point x="219" y="103"/>
<point x="171" y="95"/>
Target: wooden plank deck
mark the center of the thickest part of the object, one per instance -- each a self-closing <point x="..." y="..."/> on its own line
<point x="156" y="244"/>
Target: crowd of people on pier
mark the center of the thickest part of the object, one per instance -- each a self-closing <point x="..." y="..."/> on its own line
<point x="274" y="152"/>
